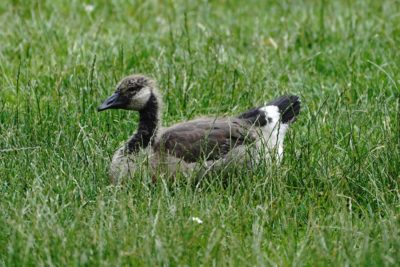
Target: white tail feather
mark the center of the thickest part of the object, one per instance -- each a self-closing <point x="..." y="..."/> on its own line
<point x="274" y="131"/>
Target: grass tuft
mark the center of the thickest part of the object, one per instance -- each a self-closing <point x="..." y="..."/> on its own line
<point x="333" y="201"/>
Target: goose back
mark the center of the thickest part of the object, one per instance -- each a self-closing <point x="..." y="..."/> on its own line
<point x="205" y="138"/>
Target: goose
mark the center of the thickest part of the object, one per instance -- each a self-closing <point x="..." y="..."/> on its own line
<point x="205" y="143"/>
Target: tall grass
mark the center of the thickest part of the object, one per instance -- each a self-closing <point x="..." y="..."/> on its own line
<point x="333" y="201"/>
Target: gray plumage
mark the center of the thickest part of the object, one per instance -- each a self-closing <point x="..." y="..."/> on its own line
<point x="202" y="144"/>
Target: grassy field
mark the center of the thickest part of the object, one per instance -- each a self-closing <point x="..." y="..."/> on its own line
<point x="335" y="200"/>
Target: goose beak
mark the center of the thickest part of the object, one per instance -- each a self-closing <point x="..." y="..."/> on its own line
<point x="113" y="102"/>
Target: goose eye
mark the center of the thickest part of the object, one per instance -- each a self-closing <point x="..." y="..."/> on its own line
<point x="133" y="88"/>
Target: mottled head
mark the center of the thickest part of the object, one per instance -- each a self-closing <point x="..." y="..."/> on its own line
<point x="132" y="93"/>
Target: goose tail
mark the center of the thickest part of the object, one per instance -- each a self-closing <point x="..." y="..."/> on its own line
<point x="284" y="109"/>
<point x="287" y="107"/>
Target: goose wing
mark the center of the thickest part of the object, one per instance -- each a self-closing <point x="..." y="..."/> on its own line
<point x="208" y="139"/>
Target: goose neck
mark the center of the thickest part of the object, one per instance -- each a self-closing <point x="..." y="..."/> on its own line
<point x="148" y="124"/>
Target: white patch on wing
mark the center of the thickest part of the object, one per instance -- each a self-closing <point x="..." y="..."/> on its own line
<point x="274" y="132"/>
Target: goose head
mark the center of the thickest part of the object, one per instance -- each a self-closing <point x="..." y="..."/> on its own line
<point x="132" y="93"/>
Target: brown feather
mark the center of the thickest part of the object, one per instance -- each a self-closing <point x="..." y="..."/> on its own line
<point x="207" y="139"/>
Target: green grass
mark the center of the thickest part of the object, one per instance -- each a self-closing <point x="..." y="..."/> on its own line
<point x="335" y="200"/>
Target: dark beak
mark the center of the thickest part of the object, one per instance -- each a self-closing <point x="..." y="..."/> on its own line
<point x="114" y="101"/>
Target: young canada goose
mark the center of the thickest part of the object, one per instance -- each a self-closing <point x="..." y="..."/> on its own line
<point x="208" y="143"/>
